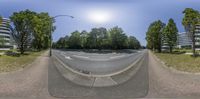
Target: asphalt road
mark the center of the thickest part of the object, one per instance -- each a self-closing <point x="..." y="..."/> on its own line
<point x="95" y="63"/>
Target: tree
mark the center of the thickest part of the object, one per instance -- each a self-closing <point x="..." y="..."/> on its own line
<point x="190" y="20"/>
<point x="32" y="29"/>
<point x="170" y="34"/>
<point x="75" y="40"/>
<point x="154" y="35"/>
<point x="99" y="38"/>
<point x="96" y="37"/>
<point x="22" y="33"/>
<point x="118" y="38"/>
<point x="62" y="43"/>
<point x="42" y="23"/>
<point x="133" y="43"/>
<point x="84" y="35"/>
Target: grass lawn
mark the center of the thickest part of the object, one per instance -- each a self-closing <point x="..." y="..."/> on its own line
<point x="181" y="62"/>
<point x="12" y="63"/>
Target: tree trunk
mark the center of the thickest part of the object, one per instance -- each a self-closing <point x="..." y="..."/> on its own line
<point x="193" y="44"/>
<point x="170" y="49"/>
<point x="193" y="48"/>
<point x="22" y="49"/>
<point x="159" y="48"/>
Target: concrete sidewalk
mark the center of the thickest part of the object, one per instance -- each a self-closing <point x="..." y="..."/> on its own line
<point x="29" y="83"/>
<point x="167" y="83"/>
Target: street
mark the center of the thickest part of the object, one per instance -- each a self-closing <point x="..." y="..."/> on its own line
<point x="95" y="63"/>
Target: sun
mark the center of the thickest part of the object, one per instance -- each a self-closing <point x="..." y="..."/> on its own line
<point x="99" y="16"/>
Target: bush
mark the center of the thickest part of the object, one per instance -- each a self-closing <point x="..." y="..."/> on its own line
<point x="11" y="53"/>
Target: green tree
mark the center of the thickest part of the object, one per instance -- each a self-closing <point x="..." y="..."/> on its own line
<point x="61" y="43"/>
<point x="190" y="20"/>
<point x="32" y="29"/>
<point x="154" y="35"/>
<point x="84" y="35"/>
<point x="42" y="23"/>
<point x="75" y="40"/>
<point x="133" y="43"/>
<point x="96" y="37"/>
<point x="99" y="38"/>
<point x="22" y="32"/>
<point x="170" y="34"/>
<point x="118" y="38"/>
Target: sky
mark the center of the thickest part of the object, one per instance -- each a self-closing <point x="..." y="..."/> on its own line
<point x="133" y="16"/>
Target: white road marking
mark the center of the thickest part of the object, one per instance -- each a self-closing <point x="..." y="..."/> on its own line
<point x="67" y="57"/>
<point x="114" y="53"/>
<point x="80" y="56"/>
<point x="113" y="57"/>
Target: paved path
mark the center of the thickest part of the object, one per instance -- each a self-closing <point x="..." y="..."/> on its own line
<point x="30" y="82"/>
<point x="167" y="83"/>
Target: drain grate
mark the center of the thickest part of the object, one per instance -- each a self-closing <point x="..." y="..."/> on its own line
<point x="85" y="72"/>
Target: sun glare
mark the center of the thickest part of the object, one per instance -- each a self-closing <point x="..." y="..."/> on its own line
<point x="99" y="16"/>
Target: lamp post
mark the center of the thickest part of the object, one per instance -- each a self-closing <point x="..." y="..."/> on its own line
<point x="53" y="18"/>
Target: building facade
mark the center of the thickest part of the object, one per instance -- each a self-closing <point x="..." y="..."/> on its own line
<point x="5" y="34"/>
<point x="183" y="40"/>
<point x="197" y="37"/>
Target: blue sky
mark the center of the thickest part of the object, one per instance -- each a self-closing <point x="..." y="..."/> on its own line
<point x="134" y="16"/>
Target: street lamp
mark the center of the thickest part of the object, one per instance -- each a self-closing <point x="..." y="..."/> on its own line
<point x="53" y="18"/>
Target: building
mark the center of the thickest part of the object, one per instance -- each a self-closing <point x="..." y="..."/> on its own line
<point x="183" y="40"/>
<point x="197" y="37"/>
<point x="5" y="35"/>
<point x="164" y="46"/>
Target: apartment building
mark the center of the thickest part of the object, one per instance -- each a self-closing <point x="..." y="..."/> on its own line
<point x="5" y="35"/>
<point x="197" y="37"/>
<point x="183" y="40"/>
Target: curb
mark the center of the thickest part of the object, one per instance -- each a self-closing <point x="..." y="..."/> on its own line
<point x="97" y="80"/>
<point x="171" y="69"/>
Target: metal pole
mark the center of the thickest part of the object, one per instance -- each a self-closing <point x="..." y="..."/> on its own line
<point x="50" y="53"/>
<point x="50" y="50"/>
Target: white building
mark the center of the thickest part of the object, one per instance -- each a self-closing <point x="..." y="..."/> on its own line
<point x="197" y="37"/>
<point x="5" y="35"/>
<point x="183" y="40"/>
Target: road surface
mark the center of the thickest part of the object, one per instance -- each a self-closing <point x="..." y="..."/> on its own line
<point x="95" y="63"/>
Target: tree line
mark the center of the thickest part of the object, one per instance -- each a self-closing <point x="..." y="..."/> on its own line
<point x="98" y="38"/>
<point x="31" y="30"/>
<point x="160" y="34"/>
